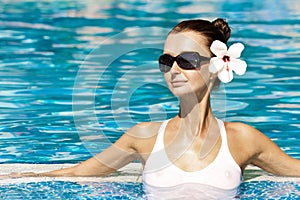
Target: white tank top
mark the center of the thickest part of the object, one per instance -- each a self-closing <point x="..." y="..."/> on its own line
<point x="163" y="180"/>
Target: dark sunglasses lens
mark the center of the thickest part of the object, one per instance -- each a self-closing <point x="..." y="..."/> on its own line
<point x="188" y="60"/>
<point x="165" y="62"/>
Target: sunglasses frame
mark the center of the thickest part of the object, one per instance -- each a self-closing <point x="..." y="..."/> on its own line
<point x="165" y="67"/>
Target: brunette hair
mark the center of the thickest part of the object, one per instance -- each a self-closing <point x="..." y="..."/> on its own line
<point x="215" y="30"/>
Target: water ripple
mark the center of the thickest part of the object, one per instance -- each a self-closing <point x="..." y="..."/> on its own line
<point x="44" y="44"/>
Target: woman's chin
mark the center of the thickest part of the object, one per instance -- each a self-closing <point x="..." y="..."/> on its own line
<point x="181" y="92"/>
<point x="189" y="92"/>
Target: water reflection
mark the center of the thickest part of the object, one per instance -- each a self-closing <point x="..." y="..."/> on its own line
<point x="44" y="44"/>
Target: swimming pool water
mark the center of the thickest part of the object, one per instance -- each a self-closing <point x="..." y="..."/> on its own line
<point x="65" y="82"/>
<point x="71" y="190"/>
<point x="67" y="69"/>
<point x="259" y="190"/>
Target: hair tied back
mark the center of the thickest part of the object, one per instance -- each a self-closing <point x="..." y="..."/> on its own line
<point x="223" y="27"/>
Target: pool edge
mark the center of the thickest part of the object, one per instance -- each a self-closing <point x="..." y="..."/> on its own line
<point x="129" y="173"/>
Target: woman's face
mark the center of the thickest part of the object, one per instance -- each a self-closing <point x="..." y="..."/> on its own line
<point x="180" y="81"/>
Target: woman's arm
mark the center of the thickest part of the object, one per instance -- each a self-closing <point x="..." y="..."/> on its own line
<point x="122" y="152"/>
<point x="269" y="156"/>
<point x="116" y="156"/>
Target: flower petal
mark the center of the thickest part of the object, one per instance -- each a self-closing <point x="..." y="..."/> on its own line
<point x="238" y="66"/>
<point x="225" y="75"/>
<point x="218" y="48"/>
<point x="235" y="50"/>
<point x="215" y="65"/>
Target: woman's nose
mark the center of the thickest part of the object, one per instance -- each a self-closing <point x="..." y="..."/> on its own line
<point x="175" y="68"/>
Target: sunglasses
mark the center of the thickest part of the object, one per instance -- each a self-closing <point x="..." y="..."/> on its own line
<point x="185" y="60"/>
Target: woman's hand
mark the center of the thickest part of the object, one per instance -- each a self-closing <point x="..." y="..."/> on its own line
<point x="19" y="175"/>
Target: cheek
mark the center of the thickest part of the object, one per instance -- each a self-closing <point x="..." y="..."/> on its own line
<point x="201" y="75"/>
<point x="197" y="80"/>
<point x="167" y="77"/>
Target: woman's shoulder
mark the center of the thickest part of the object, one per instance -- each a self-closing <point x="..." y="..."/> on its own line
<point x="141" y="135"/>
<point x="244" y="136"/>
<point x="242" y="141"/>
<point x="141" y="138"/>
<point x="241" y="130"/>
<point x="144" y="130"/>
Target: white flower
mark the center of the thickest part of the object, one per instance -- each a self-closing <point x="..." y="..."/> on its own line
<point x="227" y="60"/>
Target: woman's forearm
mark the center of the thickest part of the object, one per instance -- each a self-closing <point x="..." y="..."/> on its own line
<point x="66" y="172"/>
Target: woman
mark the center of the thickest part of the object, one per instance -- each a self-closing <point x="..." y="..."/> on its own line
<point x="194" y="154"/>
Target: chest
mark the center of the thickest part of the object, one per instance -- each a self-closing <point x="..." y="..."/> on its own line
<point x="193" y="157"/>
<point x="221" y="172"/>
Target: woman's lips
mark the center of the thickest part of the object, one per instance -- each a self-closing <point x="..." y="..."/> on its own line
<point x="178" y="83"/>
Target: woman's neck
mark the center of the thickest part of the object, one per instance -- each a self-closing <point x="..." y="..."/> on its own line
<point x="195" y="114"/>
<point x="196" y="129"/>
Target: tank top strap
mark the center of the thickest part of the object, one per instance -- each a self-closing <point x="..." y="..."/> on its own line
<point x="222" y="131"/>
<point x="159" y="144"/>
<point x="157" y="159"/>
<point x="162" y="128"/>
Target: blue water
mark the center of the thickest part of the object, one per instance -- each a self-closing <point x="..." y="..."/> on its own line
<point x="259" y="190"/>
<point x="74" y="75"/>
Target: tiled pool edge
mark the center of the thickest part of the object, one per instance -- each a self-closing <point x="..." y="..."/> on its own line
<point x="129" y="173"/>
